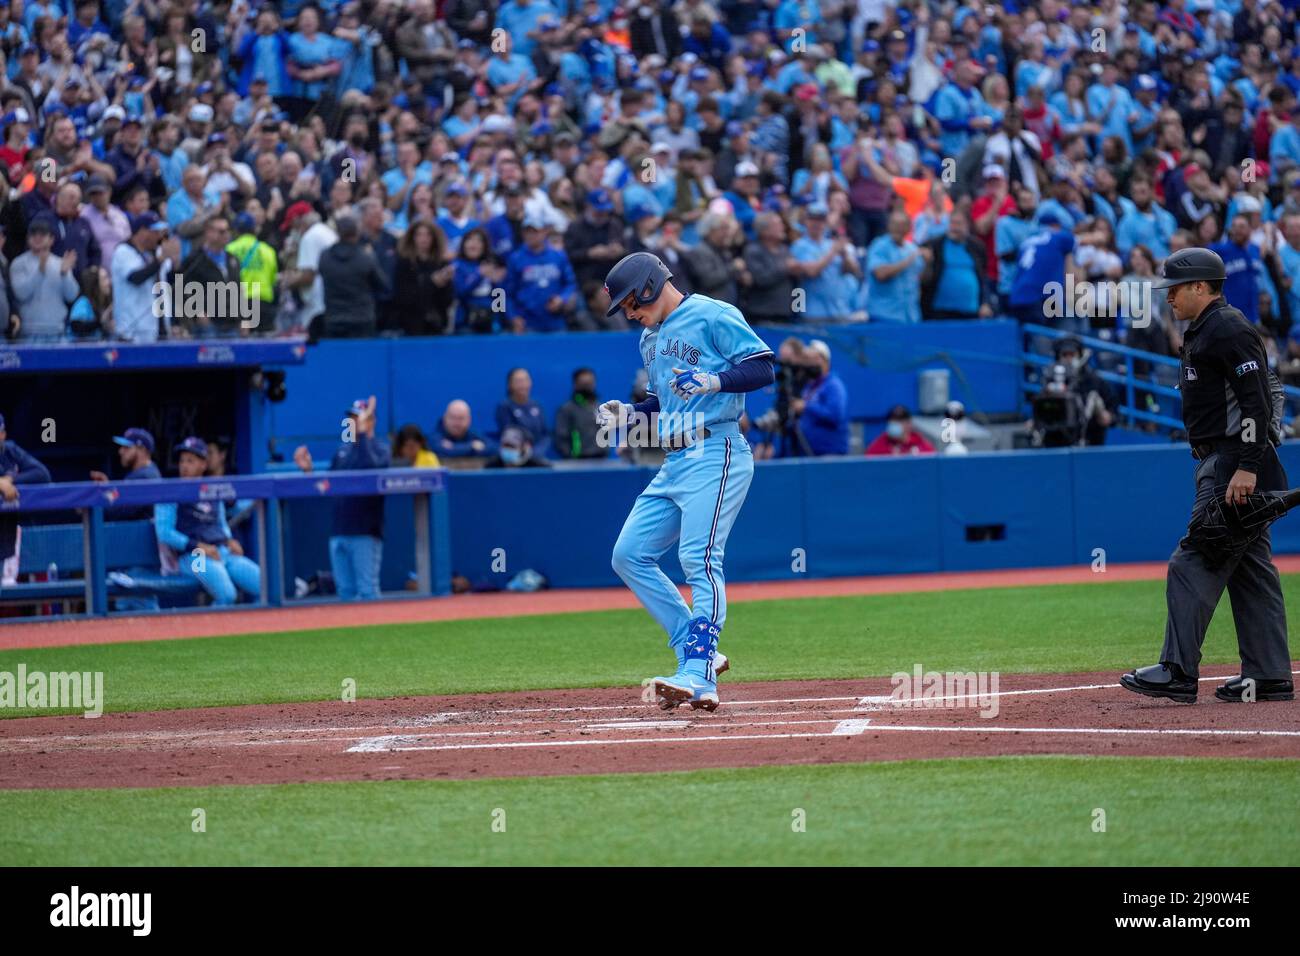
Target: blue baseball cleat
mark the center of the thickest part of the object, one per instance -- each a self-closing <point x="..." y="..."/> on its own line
<point x="720" y="664"/>
<point x="696" y="680"/>
<point x="684" y="688"/>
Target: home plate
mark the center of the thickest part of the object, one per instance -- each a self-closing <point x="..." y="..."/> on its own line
<point x="850" y="728"/>
<point x="874" y="703"/>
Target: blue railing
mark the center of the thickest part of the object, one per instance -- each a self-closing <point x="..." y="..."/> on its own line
<point x="232" y="352"/>
<point x="427" y="486"/>
<point x="1128" y="380"/>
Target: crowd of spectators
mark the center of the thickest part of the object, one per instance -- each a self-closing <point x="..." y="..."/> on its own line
<point x="476" y="166"/>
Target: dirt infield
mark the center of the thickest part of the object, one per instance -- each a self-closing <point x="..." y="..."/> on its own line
<point x="611" y="730"/>
<point x="15" y="636"/>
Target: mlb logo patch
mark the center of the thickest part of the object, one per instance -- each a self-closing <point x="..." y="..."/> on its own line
<point x="1191" y="374"/>
<point x="1245" y="367"/>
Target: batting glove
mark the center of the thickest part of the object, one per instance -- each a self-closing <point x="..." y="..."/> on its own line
<point x="612" y="413"/>
<point x="688" y="384"/>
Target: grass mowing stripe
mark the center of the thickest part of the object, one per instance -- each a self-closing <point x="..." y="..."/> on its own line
<point x="1054" y="628"/>
<point x="994" y="811"/>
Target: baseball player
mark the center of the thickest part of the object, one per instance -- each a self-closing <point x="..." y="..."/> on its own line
<point x="1230" y="411"/>
<point x="701" y="356"/>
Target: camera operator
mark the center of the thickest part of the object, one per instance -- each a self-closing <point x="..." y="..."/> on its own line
<point x="1075" y="406"/>
<point x="785" y="439"/>
<point x="822" y="408"/>
<point x="1098" y="397"/>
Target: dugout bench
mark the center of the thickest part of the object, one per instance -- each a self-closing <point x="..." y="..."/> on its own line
<point x="131" y="566"/>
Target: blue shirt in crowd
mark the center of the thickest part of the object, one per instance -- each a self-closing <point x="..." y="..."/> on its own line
<point x="1241" y="287"/>
<point x="959" y="284"/>
<point x="829" y="295"/>
<point x="897" y="299"/>
<point x="1042" y="262"/>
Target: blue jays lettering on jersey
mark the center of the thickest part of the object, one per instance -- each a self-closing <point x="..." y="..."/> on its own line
<point x="701" y="333"/>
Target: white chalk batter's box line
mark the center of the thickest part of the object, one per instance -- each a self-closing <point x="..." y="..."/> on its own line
<point x="407" y="742"/>
<point x="868" y="703"/>
<point x="874" y="702"/>
<point x="359" y="732"/>
<point x="844" y="728"/>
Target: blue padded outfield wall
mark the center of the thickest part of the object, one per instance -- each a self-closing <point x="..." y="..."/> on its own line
<point x="867" y="516"/>
<point x="414" y="379"/>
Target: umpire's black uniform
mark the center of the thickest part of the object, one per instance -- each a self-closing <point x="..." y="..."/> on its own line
<point x="1228" y="413"/>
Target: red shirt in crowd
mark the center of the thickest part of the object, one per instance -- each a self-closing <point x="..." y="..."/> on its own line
<point x="1043" y="124"/>
<point x="1263" y="131"/>
<point x="912" y="444"/>
<point x="977" y="209"/>
<point x="12" y="160"/>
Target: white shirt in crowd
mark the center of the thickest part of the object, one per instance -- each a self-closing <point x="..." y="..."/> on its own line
<point x="1000" y="149"/>
<point x="314" y="241"/>
<point x="134" y="317"/>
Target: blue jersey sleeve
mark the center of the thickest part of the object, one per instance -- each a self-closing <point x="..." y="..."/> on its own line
<point x="164" y="526"/>
<point x="223" y="521"/>
<point x="733" y="339"/>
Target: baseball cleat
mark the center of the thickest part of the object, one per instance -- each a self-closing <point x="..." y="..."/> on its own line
<point x="720" y="663"/>
<point x="682" y="688"/>
<point x="705" y="700"/>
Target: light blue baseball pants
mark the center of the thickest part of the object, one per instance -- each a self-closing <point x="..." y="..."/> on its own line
<point x="693" y="501"/>
<point x="227" y="578"/>
<point x="355" y="560"/>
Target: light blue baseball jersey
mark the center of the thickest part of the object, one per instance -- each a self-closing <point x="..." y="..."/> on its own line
<point x="701" y="333"/>
<point x="696" y="496"/>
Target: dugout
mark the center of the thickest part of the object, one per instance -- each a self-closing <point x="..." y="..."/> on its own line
<point x="64" y="402"/>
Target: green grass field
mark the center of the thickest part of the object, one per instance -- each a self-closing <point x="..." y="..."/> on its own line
<point x="1013" y="810"/>
<point x="978" y="811"/>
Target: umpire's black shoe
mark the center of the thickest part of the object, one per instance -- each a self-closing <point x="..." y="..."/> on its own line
<point x="1234" y="691"/>
<point x="1160" y="680"/>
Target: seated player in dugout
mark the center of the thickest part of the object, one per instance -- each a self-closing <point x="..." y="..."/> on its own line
<point x="194" y="537"/>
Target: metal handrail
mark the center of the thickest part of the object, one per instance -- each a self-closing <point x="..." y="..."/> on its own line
<point x="1128" y="380"/>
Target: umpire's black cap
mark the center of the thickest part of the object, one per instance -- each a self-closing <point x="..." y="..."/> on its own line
<point x="641" y="275"/>
<point x="1190" y="265"/>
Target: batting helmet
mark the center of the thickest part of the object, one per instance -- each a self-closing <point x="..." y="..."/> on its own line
<point x="1191" y="265"/>
<point x="641" y="275"/>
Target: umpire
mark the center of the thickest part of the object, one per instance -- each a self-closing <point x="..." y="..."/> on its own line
<point x="1232" y="422"/>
